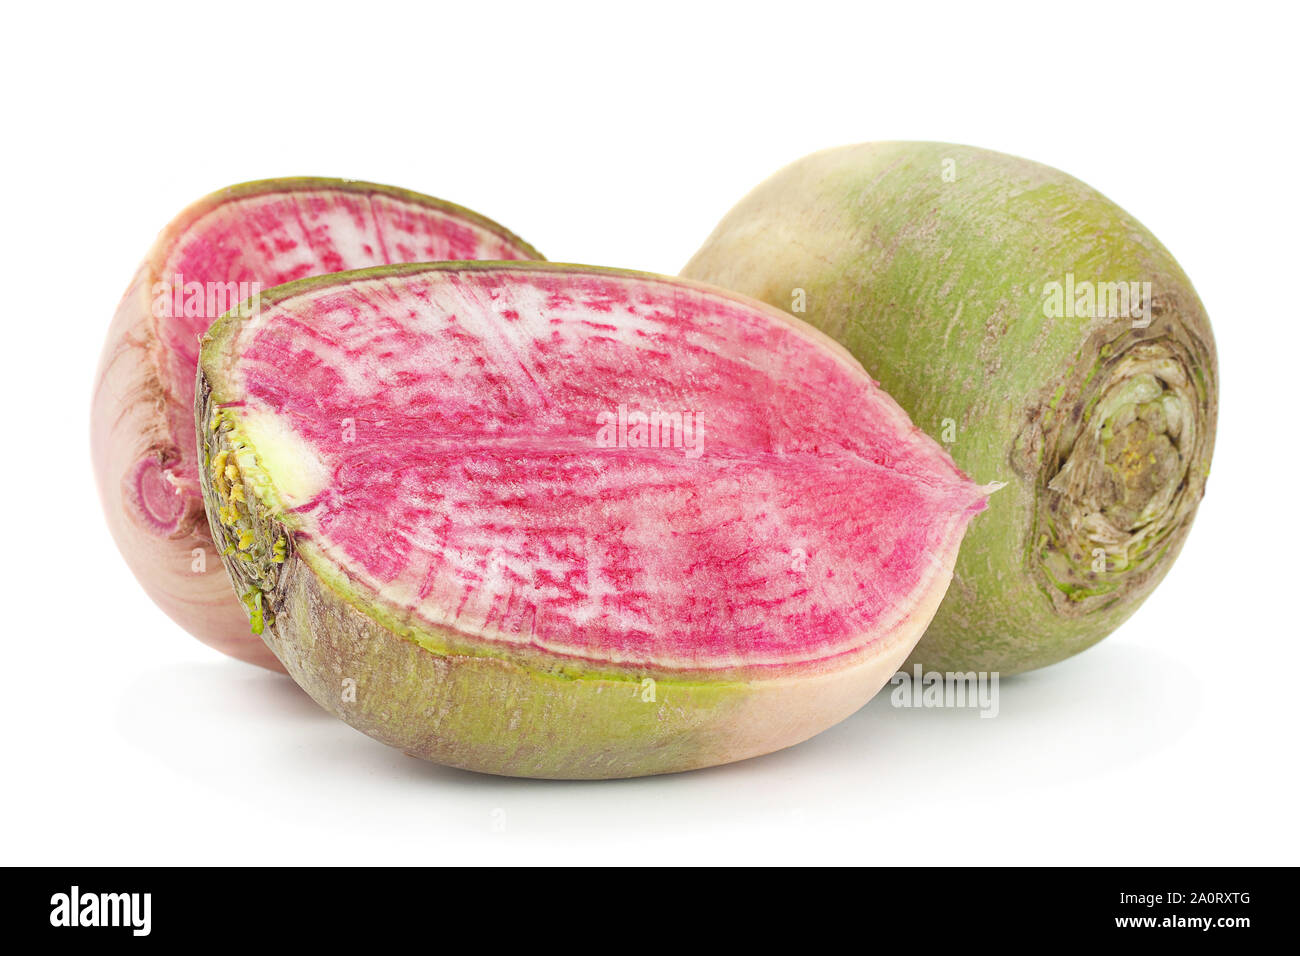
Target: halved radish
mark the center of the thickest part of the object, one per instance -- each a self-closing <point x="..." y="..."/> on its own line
<point x="560" y="521"/>
<point x="222" y="249"/>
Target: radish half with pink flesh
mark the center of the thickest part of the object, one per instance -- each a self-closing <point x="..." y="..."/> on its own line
<point x="225" y="248"/>
<point x="559" y="521"/>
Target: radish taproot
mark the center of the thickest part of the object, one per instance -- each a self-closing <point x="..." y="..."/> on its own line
<point x="1038" y="330"/>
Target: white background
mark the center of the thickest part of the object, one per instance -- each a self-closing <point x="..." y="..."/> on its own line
<point x="617" y="137"/>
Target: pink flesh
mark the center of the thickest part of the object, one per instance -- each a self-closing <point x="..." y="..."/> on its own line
<point x="281" y="236"/>
<point x="475" y="494"/>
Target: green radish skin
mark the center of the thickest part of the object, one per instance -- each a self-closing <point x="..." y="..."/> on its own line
<point x="933" y="264"/>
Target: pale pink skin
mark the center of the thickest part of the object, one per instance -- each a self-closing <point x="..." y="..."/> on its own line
<point x="142" y="416"/>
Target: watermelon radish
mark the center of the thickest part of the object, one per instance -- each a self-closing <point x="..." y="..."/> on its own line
<point x="217" y="252"/>
<point x="1035" y="327"/>
<point x="559" y="521"/>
